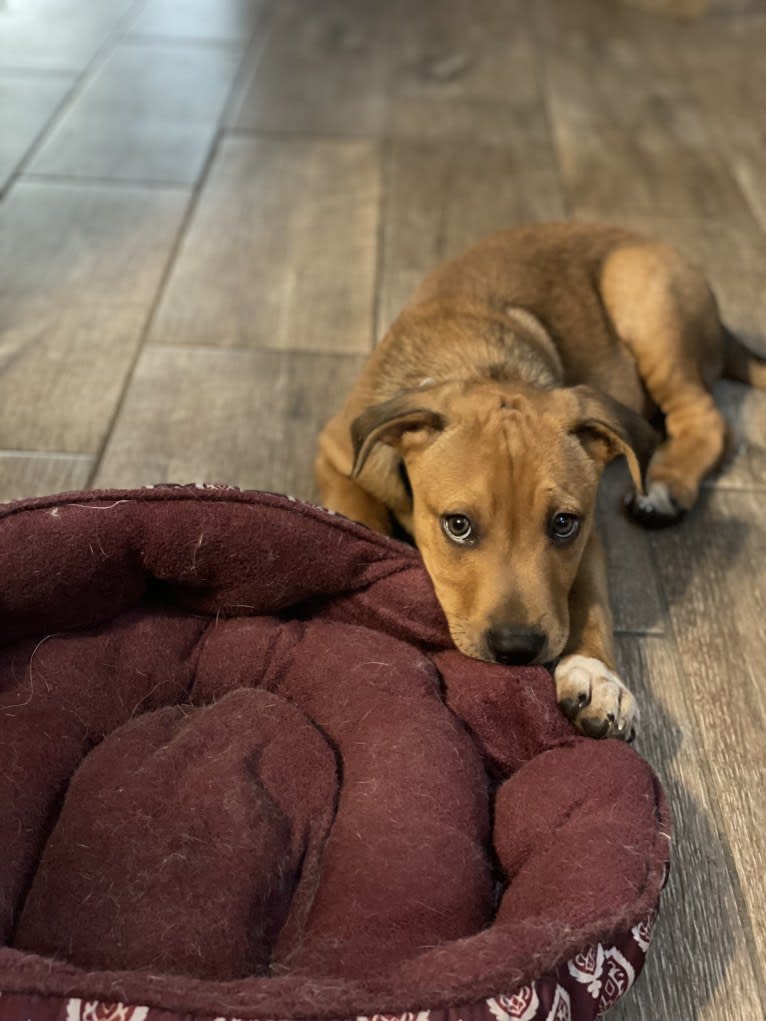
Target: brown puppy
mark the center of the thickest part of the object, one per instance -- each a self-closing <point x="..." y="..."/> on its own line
<point x="484" y="418"/>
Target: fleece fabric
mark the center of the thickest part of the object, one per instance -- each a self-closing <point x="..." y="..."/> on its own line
<point x="244" y="769"/>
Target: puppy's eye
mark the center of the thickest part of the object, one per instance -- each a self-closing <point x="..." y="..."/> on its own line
<point x="459" y="528"/>
<point x="563" y="528"/>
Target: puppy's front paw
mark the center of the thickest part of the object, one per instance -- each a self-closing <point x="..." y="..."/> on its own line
<point x="595" y="699"/>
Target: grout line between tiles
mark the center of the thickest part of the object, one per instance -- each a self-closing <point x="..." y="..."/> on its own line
<point x="44" y="455"/>
<point x="543" y="86"/>
<point x="270" y="134"/>
<point x="246" y="350"/>
<point x="184" y="42"/>
<point x="247" y="69"/>
<point x="186" y="219"/>
<point x="81" y="181"/>
<point x="80" y="79"/>
<point x="384" y="164"/>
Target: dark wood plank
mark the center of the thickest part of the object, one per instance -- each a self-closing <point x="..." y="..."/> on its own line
<point x="687" y="10"/>
<point x="247" y="418"/>
<point x="62" y="370"/>
<point x="464" y="50"/>
<point x="27" y="103"/>
<point x="97" y="244"/>
<point x="724" y="65"/>
<point x="23" y="475"/>
<point x="444" y="195"/>
<point x="713" y="572"/>
<point x="610" y="172"/>
<point x="208" y="20"/>
<point x="281" y="251"/>
<point x="700" y="966"/>
<point x="634" y="591"/>
<point x="149" y="113"/>
<point x="322" y="71"/>
<point x="746" y="156"/>
<point x="745" y="411"/>
<point x="471" y="150"/>
<point x="630" y="136"/>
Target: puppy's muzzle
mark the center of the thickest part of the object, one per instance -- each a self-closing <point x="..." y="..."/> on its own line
<point x="514" y="646"/>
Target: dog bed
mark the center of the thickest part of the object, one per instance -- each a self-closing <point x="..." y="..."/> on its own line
<point x="245" y="774"/>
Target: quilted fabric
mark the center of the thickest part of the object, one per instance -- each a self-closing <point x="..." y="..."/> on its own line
<point x="244" y="772"/>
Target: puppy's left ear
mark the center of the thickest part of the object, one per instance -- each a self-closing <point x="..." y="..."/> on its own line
<point x="390" y="422"/>
<point x="608" y="429"/>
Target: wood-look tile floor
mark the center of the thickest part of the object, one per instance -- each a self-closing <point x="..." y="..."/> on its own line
<point x="209" y="211"/>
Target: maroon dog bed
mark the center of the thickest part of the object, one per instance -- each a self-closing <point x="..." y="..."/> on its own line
<point x="244" y="773"/>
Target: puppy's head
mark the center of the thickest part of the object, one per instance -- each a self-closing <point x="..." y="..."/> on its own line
<point x="503" y="487"/>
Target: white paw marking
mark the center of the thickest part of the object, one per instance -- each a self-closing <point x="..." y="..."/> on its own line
<point x="595" y="699"/>
<point x="658" y="499"/>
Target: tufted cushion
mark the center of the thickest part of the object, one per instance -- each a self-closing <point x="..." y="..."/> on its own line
<point x="243" y="771"/>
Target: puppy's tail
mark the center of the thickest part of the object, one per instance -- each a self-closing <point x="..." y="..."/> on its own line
<point x="740" y="363"/>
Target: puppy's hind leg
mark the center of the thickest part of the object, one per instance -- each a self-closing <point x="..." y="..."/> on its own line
<point x="664" y="311"/>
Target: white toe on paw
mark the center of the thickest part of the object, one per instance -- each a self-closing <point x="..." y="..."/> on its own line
<point x="659" y="506"/>
<point x="660" y="500"/>
<point x="595" y="699"/>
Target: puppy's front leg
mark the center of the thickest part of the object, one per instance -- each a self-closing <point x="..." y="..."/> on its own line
<point x="340" y="493"/>
<point x="587" y="688"/>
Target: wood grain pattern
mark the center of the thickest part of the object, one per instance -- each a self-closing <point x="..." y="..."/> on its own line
<point x="149" y="113"/>
<point x="610" y="172"/>
<point x="262" y="412"/>
<point x="465" y="51"/>
<point x="700" y="967"/>
<point x="442" y="196"/>
<point x="630" y="137"/>
<point x="724" y="65"/>
<point x="68" y="244"/>
<point x="23" y="474"/>
<point x="281" y="250"/>
<point x="323" y="72"/>
<point x="636" y="601"/>
<point x="717" y="608"/>
<point x="470" y="150"/>
<point x="62" y="370"/>
<point x="745" y="411"/>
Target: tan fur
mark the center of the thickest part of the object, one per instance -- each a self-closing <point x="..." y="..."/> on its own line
<point x="513" y="375"/>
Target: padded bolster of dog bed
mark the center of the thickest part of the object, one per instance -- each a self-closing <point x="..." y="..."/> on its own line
<point x="242" y="767"/>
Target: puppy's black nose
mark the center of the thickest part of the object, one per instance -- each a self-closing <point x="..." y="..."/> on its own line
<point x="514" y="645"/>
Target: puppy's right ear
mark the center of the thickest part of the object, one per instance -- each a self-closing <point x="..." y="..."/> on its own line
<point x="389" y="423"/>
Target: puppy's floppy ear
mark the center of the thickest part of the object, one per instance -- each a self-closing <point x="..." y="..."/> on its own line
<point x="389" y="422"/>
<point x="608" y="429"/>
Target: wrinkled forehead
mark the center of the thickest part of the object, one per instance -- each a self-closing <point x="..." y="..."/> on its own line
<point x="503" y="448"/>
